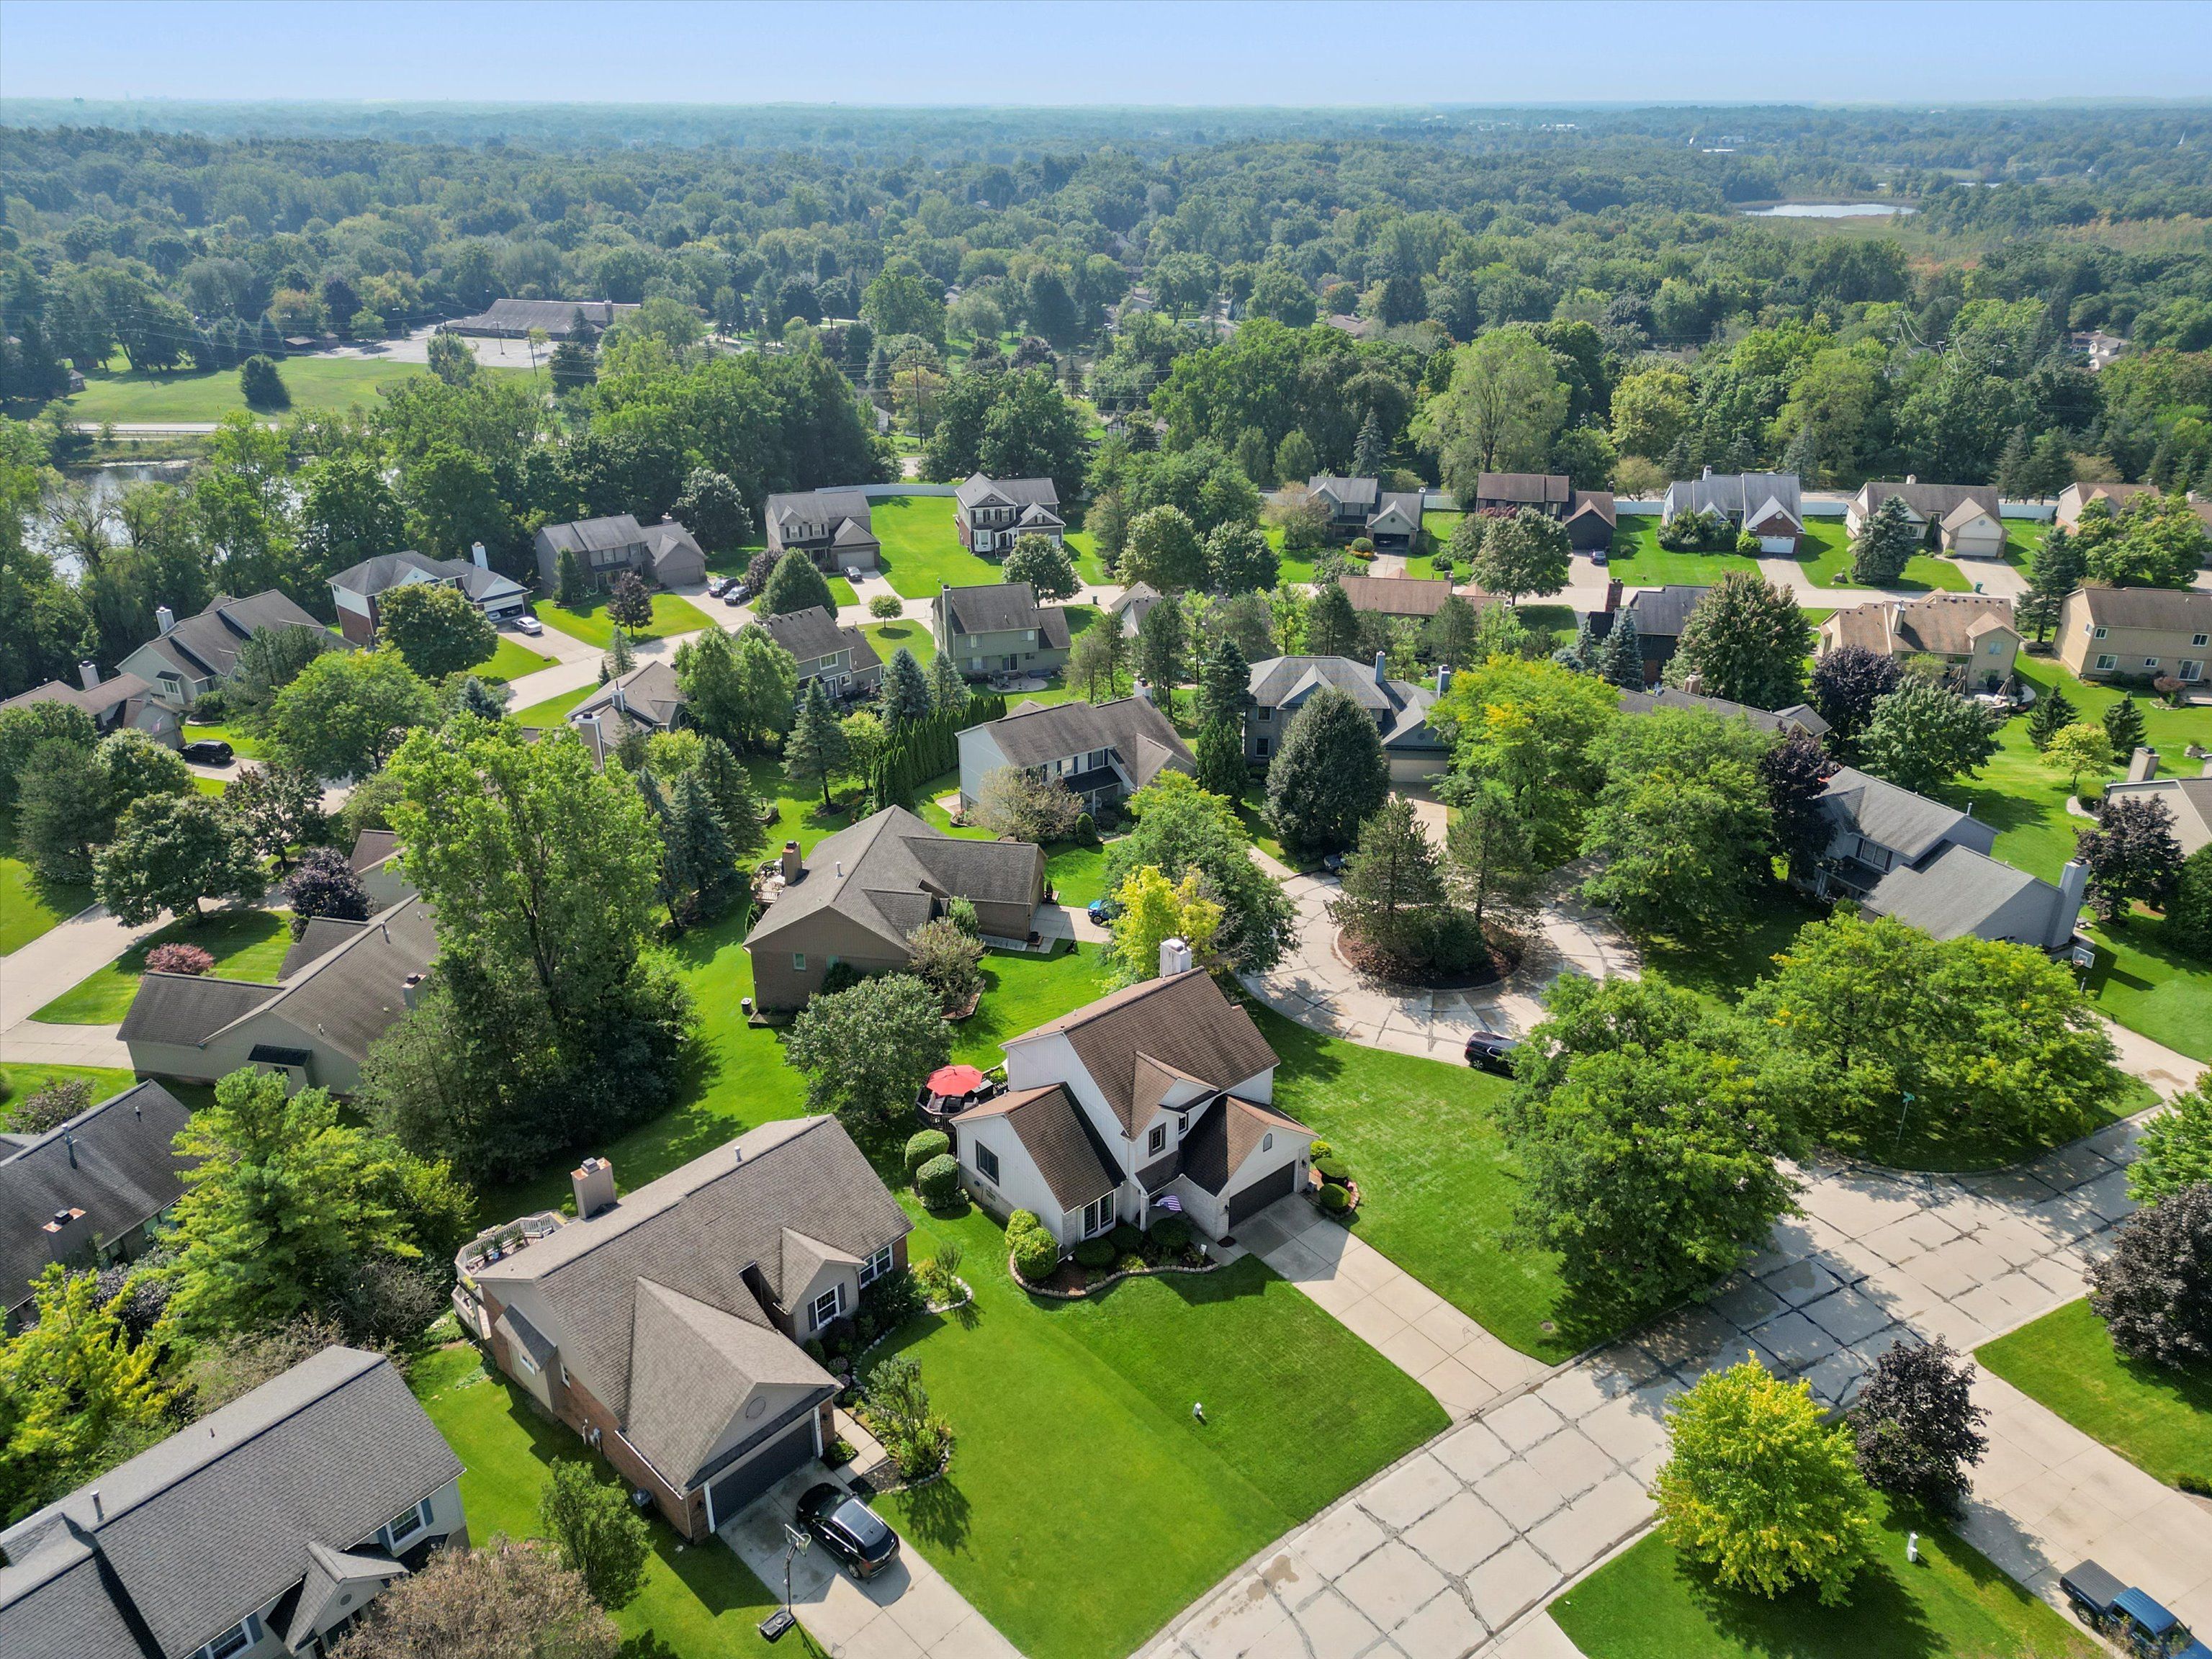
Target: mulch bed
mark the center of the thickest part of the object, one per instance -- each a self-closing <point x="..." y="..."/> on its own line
<point x="1392" y="971"/>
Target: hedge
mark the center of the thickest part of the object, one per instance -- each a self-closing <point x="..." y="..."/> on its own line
<point x="923" y="1147"/>
<point x="1037" y="1254"/>
<point x="938" y="1180"/>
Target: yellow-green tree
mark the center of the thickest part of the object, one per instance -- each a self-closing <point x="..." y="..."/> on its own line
<point x="1155" y="909"/>
<point x="2079" y="748"/>
<point x="70" y="1385"/>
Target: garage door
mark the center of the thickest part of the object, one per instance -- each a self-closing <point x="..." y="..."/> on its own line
<point x="1260" y="1194"/>
<point x="729" y="1493"/>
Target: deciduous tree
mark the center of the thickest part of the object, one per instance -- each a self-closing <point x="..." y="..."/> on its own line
<point x="508" y="1599"/>
<point x="1164" y="550"/>
<point x="795" y="585"/>
<point x="1847" y="684"/>
<point x="279" y="806"/>
<point x="1527" y="553"/>
<point x="1682" y="831"/>
<point x="864" y="1050"/>
<point x="169" y="853"/>
<point x="1922" y="736"/>
<point x="2174" y="1152"/>
<point x="1332" y="625"/>
<point x="2153" y="1291"/>
<point x="1498" y="413"/>
<point x="2132" y="854"/>
<point x="324" y="884"/>
<point x="1747" y="640"/>
<point x="1042" y="563"/>
<point x="435" y="628"/>
<point x="1180" y="829"/>
<point x="1153" y="910"/>
<point x="1916" y="1422"/>
<point x="348" y="712"/>
<point x="601" y="1537"/>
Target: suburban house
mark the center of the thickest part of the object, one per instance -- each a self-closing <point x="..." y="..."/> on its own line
<point x="858" y="895"/>
<point x="356" y="589"/>
<point x="1549" y="493"/>
<point x="2188" y="800"/>
<point x="375" y="859"/>
<point x="2076" y="496"/>
<point x="833" y="527"/>
<point x="998" y="629"/>
<point x="664" y="554"/>
<point x="1390" y="518"/>
<point x="1879" y="828"/>
<point x="1591" y="521"/>
<point x="262" y="1530"/>
<point x="189" y="657"/>
<point x="1959" y="519"/>
<point x="2099" y="347"/>
<point x="1658" y="614"/>
<point x="2135" y="633"/>
<point x="1104" y="752"/>
<point x="87" y="1191"/>
<point x="843" y="659"/>
<point x="1414" y="598"/>
<point x="341" y="986"/>
<point x="122" y="703"/>
<point x="990" y="514"/>
<point x="557" y="319"/>
<point x="1280" y="686"/>
<point x="1133" y="604"/>
<point x="1797" y="718"/>
<point x="1972" y="632"/>
<point x="646" y="699"/>
<point x="1767" y="504"/>
<point x="664" y="1325"/>
<point x="1156" y="1099"/>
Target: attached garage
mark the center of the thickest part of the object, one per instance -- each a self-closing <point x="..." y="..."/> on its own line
<point x="1244" y="1205"/>
<point x="1411" y="769"/>
<point x="729" y="1493"/>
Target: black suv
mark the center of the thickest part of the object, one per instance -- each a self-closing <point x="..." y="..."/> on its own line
<point x="1492" y="1052"/>
<point x="208" y="752"/>
<point x="848" y="1529"/>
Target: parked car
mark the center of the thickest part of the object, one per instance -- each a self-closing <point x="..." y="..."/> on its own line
<point x="208" y="752"/>
<point x="1102" y="911"/>
<point x="2126" y="1616"/>
<point x="526" y="623"/>
<point x="848" y="1529"/>
<point x="1599" y="556"/>
<point x="1492" y="1052"/>
<point x="716" y="584"/>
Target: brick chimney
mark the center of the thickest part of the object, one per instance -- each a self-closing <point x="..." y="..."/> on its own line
<point x="1613" y="591"/>
<point x="68" y="1235"/>
<point x="593" y="1183"/>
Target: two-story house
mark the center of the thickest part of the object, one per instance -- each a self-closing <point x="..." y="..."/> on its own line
<point x="1390" y="518"/>
<point x="1876" y="827"/>
<point x="1280" y="686"/>
<point x="1657" y="615"/>
<point x="357" y="590"/>
<point x="262" y="1531"/>
<point x="1972" y="633"/>
<point x="998" y="629"/>
<point x="990" y="514"/>
<point x="835" y="528"/>
<point x="664" y="1325"/>
<point x="843" y="659"/>
<point x="664" y="554"/>
<point x="1767" y="504"/>
<point x="1959" y="519"/>
<point x="122" y="702"/>
<point x="1104" y="752"/>
<point x="2135" y="633"/>
<point x="647" y="699"/>
<point x="1156" y="1099"/>
<point x="1547" y="493"/>
<point x="189" y="659"/>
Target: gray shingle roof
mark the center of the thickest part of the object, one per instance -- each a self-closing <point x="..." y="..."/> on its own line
<point x="1908" y="824"/>
<point x="1352" y="492"/>
<point x="999" y="607"/>
<point x="1660" y="612"/>
<point x="2188" y="800"/>
<point x="805" y="515"/>
<point x="1059" y="1140"/>
<point x="649" y="694"/>
<point x="115" y="1161"/>
<point x="2167" y="609"/>
<point x="1227" y="1132"/>
<point x="387" y="570"/>
<point x="1526" y="488"/>
<point x="217" y="1520"/>
<point x="1032" y="735"/>
<point x="514" y="318"/>
<point x="884" y="872"/>
<point x="1959" y="892"/>
<point x="1741" y="494"/>
<point x="209" y="641"/>
<point x="370" y="848"/>
<point x="693" y="1366"/>
<point x="1934" y="502"/>
<point x="1798" y="717"/>
<point x="595" y="535"/>
<point x="814" y="633"/>
<point x="116" y="688"/>
<point x="976" y="489"/>
<point x="1401" y="706"/>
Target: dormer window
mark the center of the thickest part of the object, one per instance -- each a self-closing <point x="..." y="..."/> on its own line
<point x="406" y="1524"/>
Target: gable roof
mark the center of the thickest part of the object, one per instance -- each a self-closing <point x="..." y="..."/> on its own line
<point x="116" y="1161"/>
<point x="372" y="847"/>
<point x="1057" y="1135"/>
<point x="1598" y="504"/>
<point x="1908" y="824"/>
<point x="1798" y="717"/>
<point x="1942" y="624"/>
<point x="1748" y="496"/>
<point x="601" y="535"/>
<point x="1227" y="1132"/>
<point x="650" y="694"/>
<point x="1132" y="726"/>
<point x="217" y="1520"/>
<point x="1959" y="892"/>
<point x="388" y="570"/>
<point x="814" y="633"/>
<point x="813" y="515"/>
<point x="2167" y="609"/>
<point x="1396" y="596"/>
<point x="556" y="317"/>
<point x="209" y="642"/>
<point x="1181" y="1025"/>
<point x="96" y="701"/>
<point x="1931" y="502"/>
<point x="1528" y="489"/>
<point x="2189" y="801"/>
<point x="885" y="872"/>
<point x="1363" y="493"/>
<point x="978" y="490"/>
<point x="999" y="607"/>
<point x="692" y="1367"/>
<point x="1660" y="612"/>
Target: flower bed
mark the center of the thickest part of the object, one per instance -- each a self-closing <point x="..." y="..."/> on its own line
<point x="1060" y="1290"/>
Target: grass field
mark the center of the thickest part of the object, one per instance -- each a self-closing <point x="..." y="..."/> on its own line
<point x="552" y="710"/>
<point x="127" y="396"/>
<point x="1639" y="561"/>
<point x="921" y="553"/>
<point x="511" y="660"/>
<point x="246" y="944"/>
<point x="1075" y="1428"/>
<point x="28" y="905"/>
<point x="889" y="637"/>
<point x="243" y="744"/>
<point x="1650" y="1603"/>
<point x="2160" y="1420"/>
<point x="591" y="623"/>
<point x="20" y="1082"/>
<point x="1825" y="556"/>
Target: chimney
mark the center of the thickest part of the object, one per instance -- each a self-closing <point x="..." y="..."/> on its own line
<point x="2073" y="882"/>
<point x="164" y="618"/>
<point x="1613" y="591"/>
<point x="1382" y="668"/>
<point x="2142" y="766"/>
<point x="90" y="673"/>
<point x="477" y="552"/>
<point x="1694" y="683"/>
<point x="1911" y="478"/>
<point x="67" y="1234"/>
<point x="622" y="699"/>
<point x="1707" y="473"/>
<point x="411" y="990"/>
<point x="794" y="866"/>
<point x="1444" y="678"/>
<point x="593" y="1183"/>
<point x="1174" y="958"/>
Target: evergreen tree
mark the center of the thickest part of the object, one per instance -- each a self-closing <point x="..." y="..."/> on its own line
<point x="2123" y="725"/>
<point x="2053" y="714"/>
<point x="698" y="863"/>
<point x="1582" y="655"/>
<point x="620" y="657"/>
<point x="948" y="690"/>
<point x="2054" y="463"/>
<point x="905" y="694"/>
<point x="1224" y="680"/>
<point x="1332" y="625"/>
<point x="729" y="786"/>
<point x="568" y="578"/>
<point x="795" y="585"/>
<point x="1885" y="545"/>
<point x="818" y="749"/>
<point x="1368" y="450"/>
<point x="1803" y="456"/>
<point x="1161" y="642"/>
<point x="1329" y="776"/>
<point x="1620" y="657"/>
<point x="1449" y="634"/>
<point x="2016" y="466"/>
<point x="1221" y="768"/>
<point x="1496" y="864"/>
<point x="1394" y="885"/>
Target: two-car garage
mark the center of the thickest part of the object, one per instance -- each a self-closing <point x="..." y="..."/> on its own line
<point x="784" y="1450"/>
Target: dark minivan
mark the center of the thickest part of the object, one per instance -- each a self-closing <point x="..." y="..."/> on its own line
<point x="848" y="1529"/>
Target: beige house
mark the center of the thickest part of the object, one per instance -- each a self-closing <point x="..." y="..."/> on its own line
<point x="1972" y="632"/>
<point x="1962" y="520"/>
<point x="999" y="629"/>
<point x="122" y="702"/>
<point x="2135" y="633"/>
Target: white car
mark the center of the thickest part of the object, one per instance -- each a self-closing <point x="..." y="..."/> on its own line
<point x="526" y="623"/>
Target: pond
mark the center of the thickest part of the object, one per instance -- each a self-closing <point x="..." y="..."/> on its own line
<point x="107" y="483"/>
<point x="1830" y="210"/>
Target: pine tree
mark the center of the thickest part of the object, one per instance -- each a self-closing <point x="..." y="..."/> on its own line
<point x="2054" y="463"/>
<point x="948" y="690"/>
<point x="2123" y="725"/>
<point x="1620" y="658"/>
<point x="1802" y="457"/>
<point x="905" y="693"/>
<point x="1224" y="680"/>
<point x="1329" y="776"/>
<point x="818" y="749"/>
<point x="1332" y="625"/>
<point x="1393" y="885"/>
<point x="2056" y="571"/>
<point x="1581" y="656"/>
<point x="568" y="578"/>
<point x="620" y="657"/>
<point x="1885" y="545"/>
<point x="2051" y="715"/>
<point x="1449" y="634"/>
<point x="1221" y="767"/>
<point x="709" y="859"/>
<point x="2016" y="466"/>
<point x="1368" y="449"/>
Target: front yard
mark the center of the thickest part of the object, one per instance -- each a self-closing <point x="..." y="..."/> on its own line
<point x="28" y="905"/>
<point x="248" y="945"/>
<point x="510" y="660"/>
<point x="1085" y="1505"/>
<point x="589" y="622"/>
<point x="2158" y="1419"/>
<point x="1824" y="557"/>
<point x="20" y="1082"/>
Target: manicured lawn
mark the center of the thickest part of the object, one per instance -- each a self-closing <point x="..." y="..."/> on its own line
<point x="20" y="1082"/>
<point x="29" y="906"/>
<point x="2158" y="1419"/>
<point x="511" y="660"/>
<point x="210" y="786"/>
<point x="672" y="614"/>
<point x="1825" y="556"/>
<point x="1639" y="561"/>
<point x="243" y="744"/>
<point x="553" y="710"/>
<point x="1648" y="1604"/>
<point x="2023" y="537"/>
<point x="126" y="396"/>
<point x="889" y="637"/>
<point x="841" y="593"/>
<point x="921" y="552"/>
<point x="246" y="944"/>
<point x="1090" y="563"/>
<point x="1077" y="1439"/>
<point x="698" y="1601"/>
<point x="2149" y="987"/>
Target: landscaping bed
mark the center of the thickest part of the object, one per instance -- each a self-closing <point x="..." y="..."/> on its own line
<point x="1364" y="958"/>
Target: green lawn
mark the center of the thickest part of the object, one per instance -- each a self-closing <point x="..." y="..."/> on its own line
<point x="2023" y="537"/>
<point x="698" y="1601"/>
<point x="1077" y="1440"/>
<point x="921" y="552"/>
<point x="553" y="710"/>
<point x="1825" y="556"/>
<point x="2160" y="1420"/>
<point x="1090" y="563"/>
<point x="243" y="744"/>
<point x="29" y="906"/>
<point x="2149" y="987"/>
<point x="248" y="944"/>
<point x="1639" y="561"/>
<point x="672" y="614"/>
<point x="1648" y="1604"/>
<point x="841" y="593"/>
<point x="511" y="660"/>
<point x="20" y="1082"/>
<point x="128" y="395"/>
<point x="888" y="637"/>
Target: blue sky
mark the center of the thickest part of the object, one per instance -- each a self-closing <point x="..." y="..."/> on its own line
<point x="1185" y="53"/>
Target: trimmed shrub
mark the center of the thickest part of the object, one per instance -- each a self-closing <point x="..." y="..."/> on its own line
<point x="1022" y="1221"/>
<point x="1126" y="1238"/>
<point x="938" y="1182"/>
<point x="1085" y="833"/>
<point x="1361" y="544"/>
<point x="1094" y="1253"/>
<point x="1171" y="1234"/>
<point x="884" y="606"/>
<point x="1130" y="1263"/>
<point x="1333" y="1170"/>
<point x="815" y="1351"/>
<point x="1335" y="1200"/>
<point x="925" y="1145"/>
<point x="1319" y="1149"/>
<point x="1036" y="1253"/>
<point x="178" y="960"/>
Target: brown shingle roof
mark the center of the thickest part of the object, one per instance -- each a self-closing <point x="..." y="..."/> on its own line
<point x="1060" y="1141"/>
<point x="1942" y="624"/>
<point x="1529" y="488"/>
<point x="2165" y="608"/>
<point x="1395" y="596"/>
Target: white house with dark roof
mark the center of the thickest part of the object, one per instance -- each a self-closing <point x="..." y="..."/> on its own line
<point x="841" y="657"/>
<point x="1104" y="752"/>
<point x="1961" y="518"/>
<point x="121" y="703"/>
<point x="1156" y="1099"/>
<point x="188" y="659"/>
<point x="833" y="527"/>
<point x="1767" y="504"/>
<point x="664" y="1325"/>
<point x="89" y="1191"/>
<point x="991" y="514"/>
<point x="357" y="590"/>
<point x="262" y="1530"/>
<point x="1280" y="686"/>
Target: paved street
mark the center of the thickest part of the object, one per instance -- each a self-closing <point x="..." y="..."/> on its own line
<point x="41" y="971"/>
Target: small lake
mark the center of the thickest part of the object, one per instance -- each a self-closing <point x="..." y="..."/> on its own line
<point x="1830" y="210"/>
<point x="107" y="483"/>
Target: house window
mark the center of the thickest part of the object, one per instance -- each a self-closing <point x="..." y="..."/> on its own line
<point x="1267" y="1143"/>
<point x="2106" y="662"/>
<point x="405" y="1525"/>
<point x="1097" y="1216"/>
<point x="2192" y="671"/>
<point x="1997" y="647"/>
<point x="2099" y="634"/>
<point x="238" y="1637"/>
<point x="1157" y="1141"/>
<point x="798" y="961"/>
<point x="1260" y="747"/>
<point x="2200" y="639"/>
<point x="876" y="1266"/>
<point x="1263" y="713"/>
<point x="2150" y="662"/>
<point x="827" y="1306"/>
<point x="1183" y="1123"/>
<point x="987" y="1164"/>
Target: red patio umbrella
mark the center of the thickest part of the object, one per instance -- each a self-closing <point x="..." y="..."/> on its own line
<point x="955" y="1080"/>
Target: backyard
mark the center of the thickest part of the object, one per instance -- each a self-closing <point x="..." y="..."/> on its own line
<point x="130" y="397"/>
<point x="19" y="1081"/>
<point x="922" y="551"/>
<point x="2160" y="1420"/>
<point x="890" y="637"/>
<point x="246" y="944"/>
<point x="589" y="622"/>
